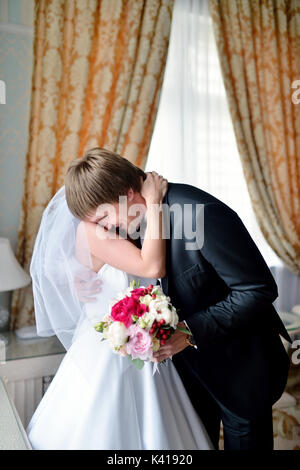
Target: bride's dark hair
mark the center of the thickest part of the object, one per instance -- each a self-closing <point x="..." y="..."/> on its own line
<point x="99" y="177"/>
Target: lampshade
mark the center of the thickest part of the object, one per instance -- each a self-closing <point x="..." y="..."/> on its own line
<point x="12" y="275"/>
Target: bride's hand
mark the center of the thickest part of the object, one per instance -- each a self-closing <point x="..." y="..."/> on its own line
<point x="154" y="188"/>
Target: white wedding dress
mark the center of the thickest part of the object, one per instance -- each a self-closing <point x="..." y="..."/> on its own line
<point x="99" y="400"/>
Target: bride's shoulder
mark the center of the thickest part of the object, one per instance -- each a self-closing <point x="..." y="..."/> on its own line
<point x="82" y="248"/>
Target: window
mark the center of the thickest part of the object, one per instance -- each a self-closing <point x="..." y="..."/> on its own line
<point x="193" y="140"/>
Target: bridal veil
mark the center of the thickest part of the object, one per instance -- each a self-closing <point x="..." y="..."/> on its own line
<point x="56" y="272"/>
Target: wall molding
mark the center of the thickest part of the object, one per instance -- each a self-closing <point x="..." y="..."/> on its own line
<point x="15" y="29"/>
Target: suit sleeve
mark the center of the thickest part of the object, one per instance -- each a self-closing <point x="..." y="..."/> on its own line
<point x="229" y="248"/>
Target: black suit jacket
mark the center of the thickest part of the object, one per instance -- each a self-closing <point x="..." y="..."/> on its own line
<point x="224" y="290"/>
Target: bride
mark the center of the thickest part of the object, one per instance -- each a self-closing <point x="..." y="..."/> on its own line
<point x="98" y="399"/>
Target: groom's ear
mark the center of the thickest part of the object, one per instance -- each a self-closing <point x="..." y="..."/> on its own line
<point x="130" y="195"/>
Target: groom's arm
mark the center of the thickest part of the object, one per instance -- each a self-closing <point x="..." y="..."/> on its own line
<point x="231" y="251"/>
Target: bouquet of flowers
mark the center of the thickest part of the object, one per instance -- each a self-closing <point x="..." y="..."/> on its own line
<point x="140" y="320"/>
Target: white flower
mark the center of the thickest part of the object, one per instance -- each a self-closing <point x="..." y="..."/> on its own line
<point x="161" y="309"/>
<point x="117" y="334"/>
<point x="147" y="319"/>
<point x="146" y="299"/>
<point x="158" y="291"/>
<point x="157" y="304"/>
<point x="169" y="314"/>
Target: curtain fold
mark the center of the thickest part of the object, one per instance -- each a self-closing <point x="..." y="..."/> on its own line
<point x="97" y="74"/>
<point x="258" y="44"/>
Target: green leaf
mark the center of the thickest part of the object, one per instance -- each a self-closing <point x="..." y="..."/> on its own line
<point x="99" y="326"/>
<point x="183" y="330"/>
<point x="138" y="363"/>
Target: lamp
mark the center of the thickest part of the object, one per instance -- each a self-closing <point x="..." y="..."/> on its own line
<point x="12" y="276"/>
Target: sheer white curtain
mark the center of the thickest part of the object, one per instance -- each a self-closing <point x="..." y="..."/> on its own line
<point x="193" y="140"/>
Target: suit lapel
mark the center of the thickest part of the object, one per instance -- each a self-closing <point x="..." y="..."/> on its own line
<point x="165" y="280"/>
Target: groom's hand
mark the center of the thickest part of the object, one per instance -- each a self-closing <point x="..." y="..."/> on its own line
<point x="174" y="345"/>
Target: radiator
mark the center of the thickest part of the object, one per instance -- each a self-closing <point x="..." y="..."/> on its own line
<point x="27" y="380"/>
<point x="27" y="394"/>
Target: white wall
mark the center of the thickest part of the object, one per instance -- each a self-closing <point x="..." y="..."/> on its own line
<point x="16" y="52"/>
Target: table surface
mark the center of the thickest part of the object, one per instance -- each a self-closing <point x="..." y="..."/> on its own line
<point x="29" y="348"/>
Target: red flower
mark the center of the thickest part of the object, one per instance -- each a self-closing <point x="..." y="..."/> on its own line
<point x="139" y="292"/>
<point x="134" y="307"/>
<point x="119" y="312"/>
<point x="124" y="309"/>
<point x="141" y="309"/>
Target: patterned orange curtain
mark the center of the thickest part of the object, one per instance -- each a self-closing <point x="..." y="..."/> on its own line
<point x="259" y="50"/>
<point x="98" y="71"/>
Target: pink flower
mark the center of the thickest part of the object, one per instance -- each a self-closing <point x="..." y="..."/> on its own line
<point x="140" y="343"/>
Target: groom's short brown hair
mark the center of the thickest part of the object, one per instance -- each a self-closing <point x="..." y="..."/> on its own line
<point x="99" y="177"/>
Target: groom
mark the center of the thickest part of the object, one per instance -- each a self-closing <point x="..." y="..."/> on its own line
<point x="234" y="366"/>
<point x="224" y="291"/>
